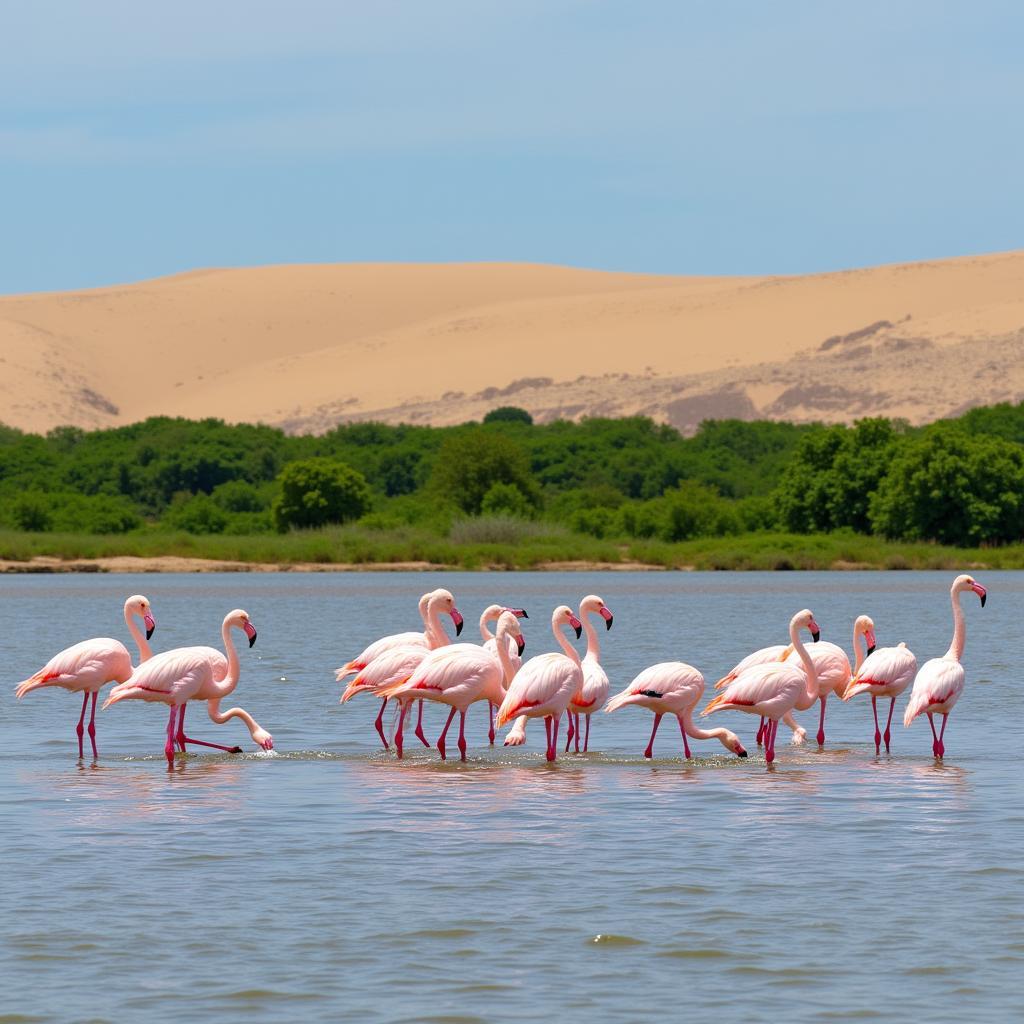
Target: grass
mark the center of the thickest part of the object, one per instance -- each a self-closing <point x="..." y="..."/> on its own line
<point x="511" y="544"/>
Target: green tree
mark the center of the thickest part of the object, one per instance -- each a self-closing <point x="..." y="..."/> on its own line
<point x="470" y="463"/>
<point x="508" y="414"/>
<point x="197" y="513"/>
<point x="506" y="500"/>
<point x="319" y="491"/>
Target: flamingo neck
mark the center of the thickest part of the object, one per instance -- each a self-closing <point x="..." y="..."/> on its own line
<point x="563" y="642"/>
<point x="508" y="668"/>
<point x="593" y="644"/>
<point x="435" y="634"/>
<point x="220" y="717"/>
<point x="230" y="681"/>
<point x="858" y="656"/>
<point x="139" y="637"/>
<point x="694" y="731"/>
<point x="811" y="676"/>
<point x="485" y="633"/>
<point x="956" y="648"/>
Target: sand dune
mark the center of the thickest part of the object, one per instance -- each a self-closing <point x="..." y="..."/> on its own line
<point x="308" y="346"/>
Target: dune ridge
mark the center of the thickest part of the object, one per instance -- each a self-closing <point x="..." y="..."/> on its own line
<point x="308" y="346"/>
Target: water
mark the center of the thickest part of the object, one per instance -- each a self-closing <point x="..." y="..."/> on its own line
<point x="329" y="882"/>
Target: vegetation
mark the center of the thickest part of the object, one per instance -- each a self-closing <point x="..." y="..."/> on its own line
<point x="511" y="492"/>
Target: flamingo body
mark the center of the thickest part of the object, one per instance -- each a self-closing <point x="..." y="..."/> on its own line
<point x="831" y="664"/>
<point x="885" y="673"/>
<point x="85" y="666"/>
<point x="544" y="686"/>
<point x="760" y="657"/>
<point x="937" y="688"/>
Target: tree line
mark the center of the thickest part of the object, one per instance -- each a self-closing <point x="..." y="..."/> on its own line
<point x="958" y="481"/>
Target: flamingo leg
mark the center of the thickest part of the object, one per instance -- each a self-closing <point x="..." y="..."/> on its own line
<point x="682" y="731"/>
<point x="547" y="732"/>
<point x="576" y="716"/>
<point x="80" y="729"/>
<point x="169" y="745"/>
<point x="769" y="743"/>
<point x="878" y="734"/>
<point x="569" y="733"/>
<point x="649" y="752"/>
<point x="490" y="715"/>
<point x="888" y="734"/>
<point x="399" y="732"/>
<point x="586" y="738"/>
<point x="444" y="731"/>
<point x="760" y="731"/>
<point x="379" y="723"/>
<point x="462" y="735"/>
<point x="419" y="726"/>
<point x="821" y="724"/>
<point x="553" y="752"/>
<point x="183" y="739"/>
<point x="942" y="732"/>
<point x="935" y="737"/>
<point x="181" y="728"/>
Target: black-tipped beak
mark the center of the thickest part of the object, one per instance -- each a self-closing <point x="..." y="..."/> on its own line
<point x="608" y="622"/>
<point x="522" y="613"/>
<point x="521" y="643"/>
<point x="742" y="753"/>
<point x="816" y="635"/>
<point x="252" y="638"/>
<point x="150" y="632"/>
<point x="250" y="632"/>
<point x="871" y="650"/>
<point x="579" y="631"/>
<point x="150" y="623"/>
<point x="458" y="620"/>
<point x="984" y="598"/>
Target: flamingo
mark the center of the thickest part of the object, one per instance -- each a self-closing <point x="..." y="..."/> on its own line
<point x="397" y="648"/>
<point x="594" y="691"/>
<point x="194" y="673"/>
<point x="940" y="682"/>
<point x="673" y="688"/>
<point x="546" y="684"/>
<point x="773" y="688"/>
<point x="832" y="673"/>
<point x="776" y="652"/>
<point x="884" y="673"/>
<point x="459" y="675"/>
<point x="515" y="649"/>
<point x="87" y="667"/>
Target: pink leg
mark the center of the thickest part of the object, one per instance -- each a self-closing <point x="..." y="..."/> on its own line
<point x="576" y="735"/>
<point x="769" y="741"/>
<point x="547" y="733"/>
<point x="649" y="752"/>
<point x="760" y="732"/>
<point x="92" y="725"/>
<point x="686" y="746"/>
<point x="888" y="734"/>
<point x="181" y="728"/>
<point x="444" y="731"/>
<point x="462" y="735"/>
<point x="183" y="739"/>
<point x="419" y="726"/>
<point x="379" y="724"/>
<point x="878" y="733"/>
<point x="935" y="736"/>
<point x="80" y="729"/>
<point x="569" y="733"/>
<point x="490" y="715"/>
<point x="942" y="732"/>
<point x="399" y="733"/>
<point x="553" y="752"/>
<point x="821" y="724"/>
<point x="586" y="738"/>
<point x="169" y="745"/>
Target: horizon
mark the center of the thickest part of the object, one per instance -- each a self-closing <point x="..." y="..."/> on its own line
<point x="688" y="139"/>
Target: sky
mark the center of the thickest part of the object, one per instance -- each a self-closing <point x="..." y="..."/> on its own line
<point x="669" y="136"/>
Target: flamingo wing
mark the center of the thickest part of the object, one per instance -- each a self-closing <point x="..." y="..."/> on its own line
<point x="457" y="674"/>
<point x="672" y="682"/>
<point x="87" y="665"/>
<point x="761" y="657"/>
<point x="379" y="647"/>
<point x="391" y="667"/>
<point x="540" y="683"/>
<point x="172" y="676"/>
<point x="938" y="686"/>
<point x="769" y="689"/>
<point x="889" y="668"/>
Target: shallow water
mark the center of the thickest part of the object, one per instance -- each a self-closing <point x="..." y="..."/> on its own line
<point x="327" y="881"/>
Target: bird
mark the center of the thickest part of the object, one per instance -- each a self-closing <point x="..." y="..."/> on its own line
<point x="546" y="684"/>
<point x="431" y="605"/>
<point x="673" y="688"/>
<point x="773" y="688"/>
<point x="940" y="681"/>
<point x="882" y="673"/>
<point x="776" y="652"/>
<point x="194" y="673"/>
<point x="594" y="691"/>
<point x="459" y="675"/>
<point x="515" y="649"/>
<point x="87" y="667"/>
<point x="832" y="673"/>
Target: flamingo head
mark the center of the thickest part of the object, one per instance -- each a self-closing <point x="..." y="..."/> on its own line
<point x="594" y="604"/>
<point x="239" y="619"/>
<point x="805" y="620"/>
<point x="563" y="616"/>
<point x="865" y="627"/>
<point x="732" y="742"/>
<point x="263" y="738"/>
<point x="508" y="626"/>
<point x="966" y="582"/>
<point x="139" y="605"/>
<point x="443" y="600"/>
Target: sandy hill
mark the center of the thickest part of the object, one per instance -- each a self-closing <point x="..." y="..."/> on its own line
<point x="308" y="346"/>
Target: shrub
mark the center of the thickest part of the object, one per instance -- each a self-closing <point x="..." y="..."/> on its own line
<point x="32" y="511"/>
<point x="318" y="492"/>
<point x="196" y="514"/>
<point x="507" y="500"/>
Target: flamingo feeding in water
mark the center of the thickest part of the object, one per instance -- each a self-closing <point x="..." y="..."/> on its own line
<point x="460" y="675"/>
<point x="401" y="651"/>
<point x="546" y="684"/>
<point x="194" y="673"/>
<point x="87" y="667"/>
<point x="673" y="688"/>
<point x="940" y="682"/>
<point x="773" y="688"/>
<point x="883" y="673"/>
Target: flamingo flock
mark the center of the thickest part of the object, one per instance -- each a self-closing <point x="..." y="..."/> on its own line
<point x="418" y="667"/>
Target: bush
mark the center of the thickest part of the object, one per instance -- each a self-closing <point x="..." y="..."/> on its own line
<point x="196" y="514"/>
<point x="99" y="513"/>
<point x="506" y="500"/>
<point x="240" y="496"/>
<point x="32" y="511"/>
<point x="319" y="492"/>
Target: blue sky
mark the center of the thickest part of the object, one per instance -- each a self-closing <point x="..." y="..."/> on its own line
<point x="139" y="139"/>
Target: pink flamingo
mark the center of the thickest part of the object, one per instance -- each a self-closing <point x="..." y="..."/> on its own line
<point x="459" y="675"/>
<point x="883" y="673"/>
<point x="832" y="673"/>
<point x="595" y="680"/>
<point x="194" y="673"/>
<point x="88" y="666"/>
<point x="546" y="684"/>
<point x="431" y="607"/>
<point x="940" y="682"/>
<point x="515" y="646"/>
<point x="773" y="688"/>
<point x="673" y="688"/>
<point x="776" y="652"/>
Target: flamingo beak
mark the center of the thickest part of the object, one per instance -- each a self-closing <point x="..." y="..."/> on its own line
<point x="457" y="619"/>
<point x="519" y="613"/>
<point x="815" y="630"/>
<point x="741" y="752"/>
<point x="980" y="591"/>
<point x="869" y="636"/>
<point x="150" y="624"/>
<point x="521" y="643"/>
<point x="576" y="625"/>
<point x="250" y="632"/>
<point x="607" y="616"/>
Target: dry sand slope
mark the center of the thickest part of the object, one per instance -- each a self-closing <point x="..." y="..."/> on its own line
<point x="306" y="347"/>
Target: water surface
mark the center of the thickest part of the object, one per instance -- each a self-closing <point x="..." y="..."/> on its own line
<point x="329" y="882"/>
